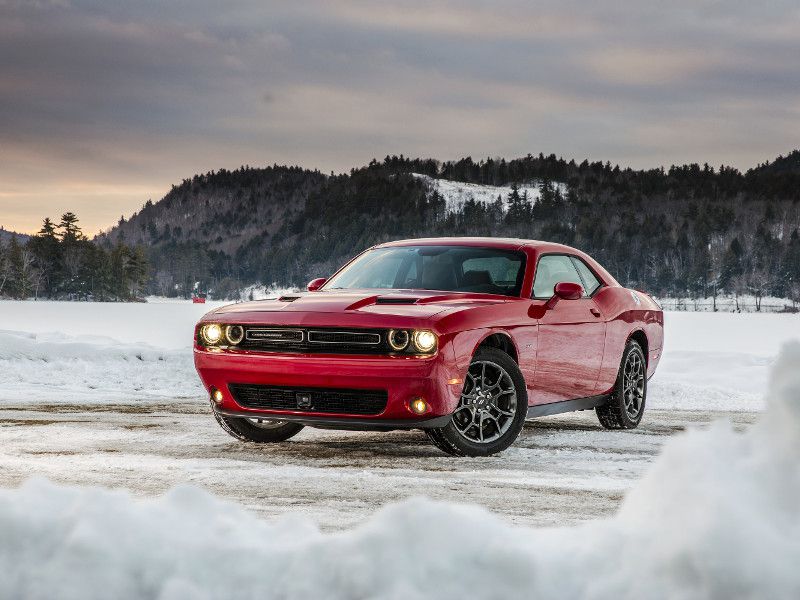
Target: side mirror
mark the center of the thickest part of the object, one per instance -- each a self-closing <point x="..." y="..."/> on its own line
<point x="315" y="284"/>
<point x="565" y="290"/>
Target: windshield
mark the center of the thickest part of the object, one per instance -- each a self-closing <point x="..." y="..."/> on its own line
<point x="445" y="268"/>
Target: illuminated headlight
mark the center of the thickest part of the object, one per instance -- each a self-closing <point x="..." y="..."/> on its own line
<point x="424" y="340"/>
<point x="398" y="339"/>
<point x="234" y="334"/>
<point x="212" y="333"/>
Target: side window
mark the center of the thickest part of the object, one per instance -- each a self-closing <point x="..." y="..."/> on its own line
<point x="553" y="269"/>
<point x="590" y="280"/>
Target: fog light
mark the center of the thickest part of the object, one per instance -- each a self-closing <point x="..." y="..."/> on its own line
<point x="419" y="406"/>
<point x="216" y="395"/>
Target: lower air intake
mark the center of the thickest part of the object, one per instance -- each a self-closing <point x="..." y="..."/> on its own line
<point x="310" y="400"/>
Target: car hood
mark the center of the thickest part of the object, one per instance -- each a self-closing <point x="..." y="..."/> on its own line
<point x="352" y="306"/>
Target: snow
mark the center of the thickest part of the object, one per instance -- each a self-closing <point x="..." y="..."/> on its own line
<point x="262" y="292"/>
<point x="57" y="368"/>
<point x="715" y="517"/>
<point x="457" y="193"/>
<point x="163" y="323"/>
<point x="729" y="303"/>
<point x="67" y="352"/>
<point x="718" y="361"/>
<point x="102" y="352"/>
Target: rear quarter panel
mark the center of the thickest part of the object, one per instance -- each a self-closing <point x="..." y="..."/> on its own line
<point x="627" y="311"/>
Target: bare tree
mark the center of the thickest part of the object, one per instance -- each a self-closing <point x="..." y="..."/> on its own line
<point x="758" y="280"/>
<point x="27" y="269"/>
<point x="6" y="270"/>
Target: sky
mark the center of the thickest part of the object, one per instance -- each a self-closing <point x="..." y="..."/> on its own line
<point x="105" y="104"/>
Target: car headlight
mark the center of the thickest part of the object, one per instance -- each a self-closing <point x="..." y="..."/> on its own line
<point x="212" y="333"/>
<point x="424" y="340"/>
<point x="234" y="334"/>
<point x="398" y="339"/>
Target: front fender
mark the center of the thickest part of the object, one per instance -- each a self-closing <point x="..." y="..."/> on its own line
<point x="466" y="343"/>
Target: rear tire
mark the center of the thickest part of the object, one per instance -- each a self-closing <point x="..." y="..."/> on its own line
<point x="625" y="408"/>
<point x="262" y="431"/>
<point x="491" y="411"/>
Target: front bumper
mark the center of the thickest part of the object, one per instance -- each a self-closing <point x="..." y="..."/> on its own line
<point x="403" y="378"/>
<point x="337" y="422"/>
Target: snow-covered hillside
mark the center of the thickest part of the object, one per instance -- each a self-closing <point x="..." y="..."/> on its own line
<point x="456" y="193"/>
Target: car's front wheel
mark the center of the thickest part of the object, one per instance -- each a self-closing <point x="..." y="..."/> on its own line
<point x="491" y="410"/>
<point x="263" y="431"/>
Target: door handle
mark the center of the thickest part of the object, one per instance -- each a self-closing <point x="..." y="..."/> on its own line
<point x="594" y="311"/>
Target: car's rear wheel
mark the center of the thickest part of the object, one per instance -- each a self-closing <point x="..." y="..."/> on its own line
<point x="625" y="408"/>
<point x="263" y="431"/>
<point x="491" y="410"/>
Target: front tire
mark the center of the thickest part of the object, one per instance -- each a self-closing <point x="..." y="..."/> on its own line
<point x="491" y="411"/>
<point x="262" y="431"/>
<point x="625" y="408"/>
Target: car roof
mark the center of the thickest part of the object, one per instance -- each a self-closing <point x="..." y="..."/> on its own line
<point x="488" y="242"/>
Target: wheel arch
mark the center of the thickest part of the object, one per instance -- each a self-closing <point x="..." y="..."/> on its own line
<point x="640" y="337"/>
<point x="501" y="340"/>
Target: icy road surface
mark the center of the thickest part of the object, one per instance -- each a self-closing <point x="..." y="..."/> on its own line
<point x="561" y="470"/>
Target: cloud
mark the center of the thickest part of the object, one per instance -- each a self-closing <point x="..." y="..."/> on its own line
<point x="122" y="99"/>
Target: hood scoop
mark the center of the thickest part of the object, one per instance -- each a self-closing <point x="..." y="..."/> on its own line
<point x="288" y="298"/>
<point x="395" y="300"/>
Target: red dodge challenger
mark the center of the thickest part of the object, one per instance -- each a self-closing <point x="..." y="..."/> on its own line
<point x="464" y="338"/>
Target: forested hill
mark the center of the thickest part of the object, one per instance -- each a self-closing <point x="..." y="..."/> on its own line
<point x="5" y="236"/>
<point x="688" y="230"/>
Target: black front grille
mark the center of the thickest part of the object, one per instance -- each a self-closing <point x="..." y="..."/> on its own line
<point x="312" y="400"/>
<point x="316" y="340"/>
<point x="358" y="338"/>
<point x="266" y="336"/>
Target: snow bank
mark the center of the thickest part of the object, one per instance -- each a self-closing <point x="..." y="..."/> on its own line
<point x="164" y="324"/>
<point x="715" y="517"/>
<point x="57" y="368"/>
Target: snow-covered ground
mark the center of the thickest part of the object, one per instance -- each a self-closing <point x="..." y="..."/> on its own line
<point x="457" y="193"/>
<point x="102" y="352"/>
<point x="106" y="395"/>
<point x="715" y="516"/>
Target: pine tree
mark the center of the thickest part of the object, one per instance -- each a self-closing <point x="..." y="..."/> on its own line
<point x="70" y="231"/>
<point x="48" y="229"/>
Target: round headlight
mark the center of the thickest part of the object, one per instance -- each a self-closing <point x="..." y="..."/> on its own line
<point x="424" y="340"/>
<point x="398" y="339"/>
<point x="234" y="333"/>
<point x="212" y="333"/>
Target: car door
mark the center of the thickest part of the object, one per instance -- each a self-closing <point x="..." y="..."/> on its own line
<point x="571" y="333"/>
